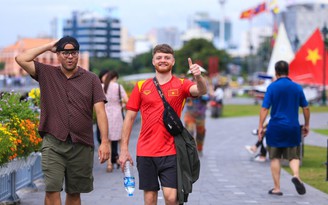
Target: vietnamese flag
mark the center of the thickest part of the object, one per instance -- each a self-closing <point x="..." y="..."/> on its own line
<point x="247" y="14"/>
<point x="307" y="66"/>
<point x="173" y="92"/>
<point x="253" y="11"/>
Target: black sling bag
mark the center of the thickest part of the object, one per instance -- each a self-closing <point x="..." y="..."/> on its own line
<point x="171" y="120"/>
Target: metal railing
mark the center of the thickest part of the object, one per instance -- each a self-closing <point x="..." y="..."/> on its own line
<point x="21" y="178"/>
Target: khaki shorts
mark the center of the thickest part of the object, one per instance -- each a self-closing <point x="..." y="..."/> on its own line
<point x="67" y="161"/>
<point x="287" y="153"/>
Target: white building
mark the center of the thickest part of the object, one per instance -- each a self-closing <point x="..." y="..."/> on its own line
<point x="301" y="18"/>
<point x="253" y="37"/>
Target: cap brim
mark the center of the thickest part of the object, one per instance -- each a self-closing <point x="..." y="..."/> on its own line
<point x="202" y="70"/>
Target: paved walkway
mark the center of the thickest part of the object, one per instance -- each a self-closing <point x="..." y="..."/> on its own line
<point x="228" y="175"/>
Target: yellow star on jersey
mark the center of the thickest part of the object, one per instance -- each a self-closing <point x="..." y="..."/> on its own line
<point x="313" y="56"/>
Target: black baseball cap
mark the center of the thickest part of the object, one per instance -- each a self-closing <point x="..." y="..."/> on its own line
<point x="67" y="40"/>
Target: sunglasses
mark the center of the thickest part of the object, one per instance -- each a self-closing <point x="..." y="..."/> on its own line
<point x="66" y="54"/>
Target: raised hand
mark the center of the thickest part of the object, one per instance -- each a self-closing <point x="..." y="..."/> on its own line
<point x="194" y="68"/>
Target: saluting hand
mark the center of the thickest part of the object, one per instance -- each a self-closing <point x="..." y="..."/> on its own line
<point x="52" y="46"/>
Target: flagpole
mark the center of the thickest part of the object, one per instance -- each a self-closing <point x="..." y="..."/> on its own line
<point x="324" y="32"/>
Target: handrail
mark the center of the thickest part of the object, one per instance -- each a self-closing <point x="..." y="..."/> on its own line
<point x="20" y="178"/>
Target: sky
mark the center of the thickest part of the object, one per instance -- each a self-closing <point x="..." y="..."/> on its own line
<point x="32" y="18"/>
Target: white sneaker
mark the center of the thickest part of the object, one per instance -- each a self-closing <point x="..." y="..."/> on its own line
<point x="259" y="159"/>
<point x="249" y="149"/>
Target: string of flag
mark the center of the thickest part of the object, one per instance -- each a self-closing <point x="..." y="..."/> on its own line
<point x="262" y="7"/>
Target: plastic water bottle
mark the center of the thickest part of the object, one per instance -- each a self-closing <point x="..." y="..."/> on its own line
<point x="129" y="181"/>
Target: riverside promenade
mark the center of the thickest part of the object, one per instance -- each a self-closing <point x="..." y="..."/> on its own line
<point x="228" y="175"/>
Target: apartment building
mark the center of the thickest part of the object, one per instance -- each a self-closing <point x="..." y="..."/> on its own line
<point x="97" y="33"/>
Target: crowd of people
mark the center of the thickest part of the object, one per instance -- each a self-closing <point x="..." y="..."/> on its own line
<point x="70" y="95"/>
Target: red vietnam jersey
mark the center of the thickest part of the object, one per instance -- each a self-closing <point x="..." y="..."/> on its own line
<point x="154" y="140"/>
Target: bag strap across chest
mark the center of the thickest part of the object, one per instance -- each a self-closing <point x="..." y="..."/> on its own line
<point x="160" y="92"/>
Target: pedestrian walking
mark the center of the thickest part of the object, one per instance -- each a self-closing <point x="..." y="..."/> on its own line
<point x="194" y="119"/>
<point x="283" y="134"/>
<point x="156" y="151"/>
<point x="252" y="149"/>
<point x="68" y="95"/>
<point x="116" y="97"/>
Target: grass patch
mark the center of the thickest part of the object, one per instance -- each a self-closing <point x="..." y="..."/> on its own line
<point x="313" y="169"/>
<point x="316" y="108"/>
<point x="321" y="131"/>
<point x="240" y="110"/>
<point x="231" y="110"/>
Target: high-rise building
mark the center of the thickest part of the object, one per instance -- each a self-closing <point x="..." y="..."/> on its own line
<point x="302" y="18"/>
<point x="203" y="20"/>
<point x="169" y="35"/>
<point x="97" y="33"/>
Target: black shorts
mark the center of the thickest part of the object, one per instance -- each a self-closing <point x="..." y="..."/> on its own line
<point x="151" y="169"/>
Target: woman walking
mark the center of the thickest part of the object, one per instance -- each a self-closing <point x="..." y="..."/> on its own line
<point x="116" y="96"/>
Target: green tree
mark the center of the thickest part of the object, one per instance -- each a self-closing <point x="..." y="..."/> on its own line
<point x="199" y="50"/>
<point x="263" y="54"/>
<point x="259" y="60"/>
<point x="97" y="64"/>
<point x="142" y="63"/>
<point x="2" y="65"/>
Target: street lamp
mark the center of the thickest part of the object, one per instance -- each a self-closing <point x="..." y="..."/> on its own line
<point x="250" y="63"/>
<point x="325" y="42"/>
<point x="221" y="38"/>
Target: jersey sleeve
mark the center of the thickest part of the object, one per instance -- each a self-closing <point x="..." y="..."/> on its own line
<point x="186" y="84"/>
<point x="134" y="99"/>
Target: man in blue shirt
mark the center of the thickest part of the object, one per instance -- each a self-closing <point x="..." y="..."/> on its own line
<point x="283" y="133"/>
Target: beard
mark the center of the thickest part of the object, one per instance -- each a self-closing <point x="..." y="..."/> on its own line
<point x="161" y="69"/>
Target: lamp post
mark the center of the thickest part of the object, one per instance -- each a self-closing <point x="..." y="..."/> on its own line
<point x="250" y="63"/>
<point x="325" y="42"/>
<point x="221" y="40"/>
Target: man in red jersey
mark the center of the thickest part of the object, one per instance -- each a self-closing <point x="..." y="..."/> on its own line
<point x="156" y="153"/>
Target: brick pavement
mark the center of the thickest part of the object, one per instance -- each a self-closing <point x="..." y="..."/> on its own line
<point x="228" y="175"/>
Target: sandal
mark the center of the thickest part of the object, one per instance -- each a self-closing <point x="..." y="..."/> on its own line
<point x="299" y="186"/>
<point x="275" y="193"/>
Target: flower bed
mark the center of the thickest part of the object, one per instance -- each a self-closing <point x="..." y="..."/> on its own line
<point x="19" y="121"/>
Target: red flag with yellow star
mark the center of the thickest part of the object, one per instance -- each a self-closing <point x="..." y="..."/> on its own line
<point x="307" y="66"/>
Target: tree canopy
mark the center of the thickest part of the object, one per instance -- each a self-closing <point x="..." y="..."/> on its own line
<point x="97" y="64"/>
<point x="199" y="50"/>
